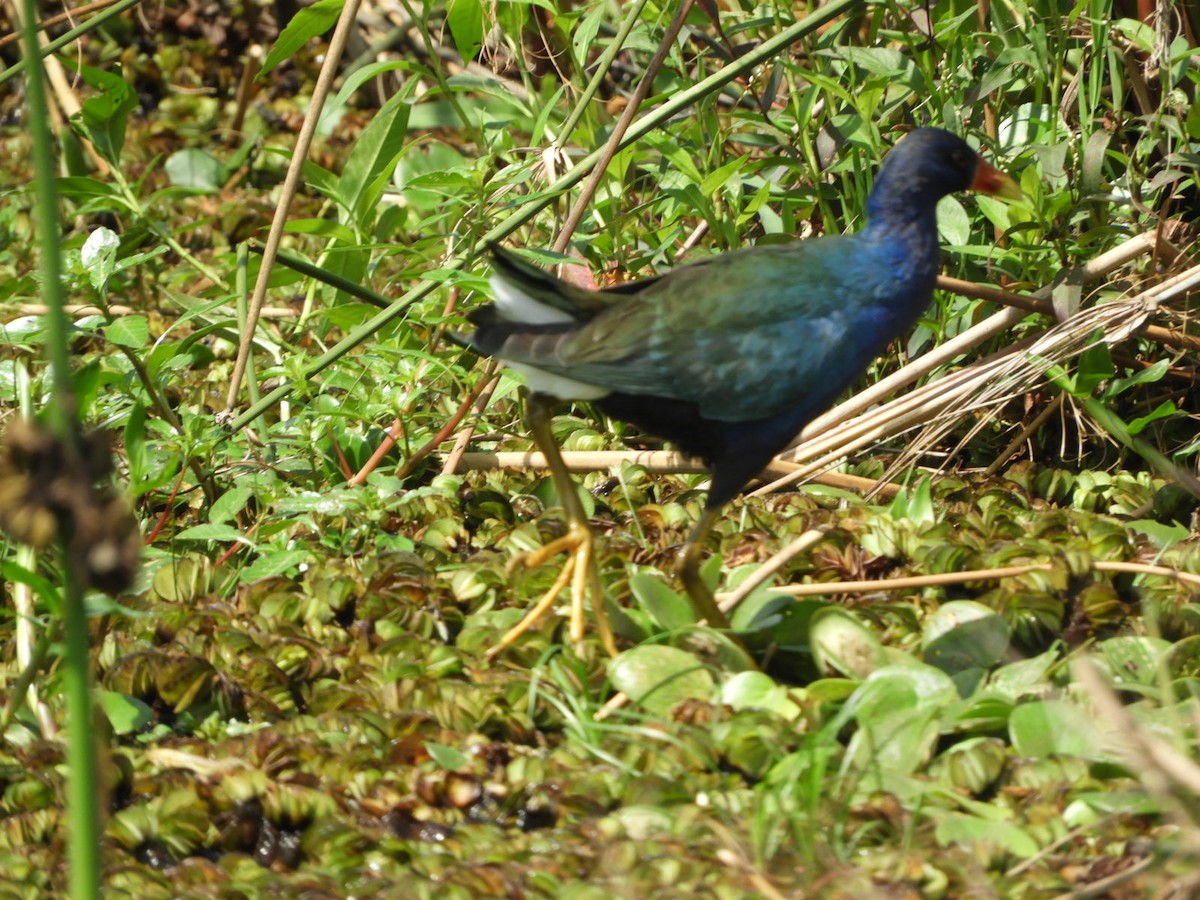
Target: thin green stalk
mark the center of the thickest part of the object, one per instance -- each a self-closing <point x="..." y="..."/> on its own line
<point x="83" y="786"/>
<point x="435" y="67"/>
<point x="77" y="32"/>
<point x="602" y="66"/>
<point x="765" y="51"/>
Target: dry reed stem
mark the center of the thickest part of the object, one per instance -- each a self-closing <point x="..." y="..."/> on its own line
<point x="817" y="589"/>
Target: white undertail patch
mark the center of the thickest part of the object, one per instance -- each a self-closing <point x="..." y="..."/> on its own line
<point x="515" y="305"/>
<point x="559" y="386"/>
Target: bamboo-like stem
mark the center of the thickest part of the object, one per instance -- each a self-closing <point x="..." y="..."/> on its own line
<point x="776" y="562"/>
<point x="818" y="589"/>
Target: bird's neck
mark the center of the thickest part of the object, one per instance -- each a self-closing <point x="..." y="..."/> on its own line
<point x="905" y="244"/>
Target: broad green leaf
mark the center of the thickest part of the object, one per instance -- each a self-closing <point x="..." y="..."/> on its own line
<point x="79" y="187"/>
<point x="971" y="831"/>
<point x="99" y="256"/>
<point x="465" y="18"/>
<point x="1133" y="659"/>
<point x="584" y="36"/>
<point x="897" y="729"/>
<point x="197" y="169"/>
<point x="1047" y="728"/>
<point x="1095" y="366"/>
<point x="1164" y="410"/>
<point x="954" y="225"/>
<point x="229" y="504"/>
<point x="758" y="690"/>
<point x="1023" y="675"/>
<point x="129" y="331"/>
<point x="103" y="116"/>
<point x="1152" y="373"/>
<point x="374" y="156"/>
<point x="963" y="635"/>
<point x="841" y="644"/>
<point x="124" y="713"/>
<point x="928" y="684"/>
<point x="669" y="609"/>
<point x="449" y="758"/>
<point x="273" y="563"/>
<point x="659" y="678"/>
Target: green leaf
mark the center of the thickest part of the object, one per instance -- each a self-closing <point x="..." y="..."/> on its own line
<point x="78" y="187"/>
<point x="197" y="169"/>
<point x="1053" y="727"/>
<point x="43" y="587"/>
<point x="896" y="710"/>
<point x="270" y="565"/>
<point x="1152" y="373"/>
<point x="229" y="504"/>
<point x="659" y="678"/>
<point x="1012" y="680"/>
<point x="374" y="156"/>
<point x="98" y="256"/>
<point x="964" y="634"/>
<point x="325" y="228"/>
<point x="449" y="758"/>
<point x="124" y="713"/>
<point x="1133" y="659"/>
<point x="841" y="644"/>
<point x="916" y="505"/>
<point x="1164" y="410"/>
<point x="669" y="609"/>
<point x="1095" y="365"/>
<point x="972" y="831"/>
<point x="103" y="117"/>
<point x="973" y="764"/>
<point x="465" y="18"/>
<point x="209" y="532"/>
<point x="954" y="225"/>
<point x="308" y="23"/>
<point x="129" y="331"/>
<point x="758" y="690"/>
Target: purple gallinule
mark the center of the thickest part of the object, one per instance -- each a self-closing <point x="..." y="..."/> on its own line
<point x="728" y="357"/>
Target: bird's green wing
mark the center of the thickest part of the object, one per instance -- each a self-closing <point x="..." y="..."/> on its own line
<point x="739" y="335"/>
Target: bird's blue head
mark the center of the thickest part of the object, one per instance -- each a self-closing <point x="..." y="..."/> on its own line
<point x="926" y="165"/>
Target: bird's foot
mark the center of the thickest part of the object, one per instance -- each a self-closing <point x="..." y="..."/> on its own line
<point x="577" y="572"/>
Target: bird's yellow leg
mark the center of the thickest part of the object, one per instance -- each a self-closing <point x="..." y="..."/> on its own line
<point x="536" y="611"/>
<point x="702" y="598"/>
<point x="579" y="571"/>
